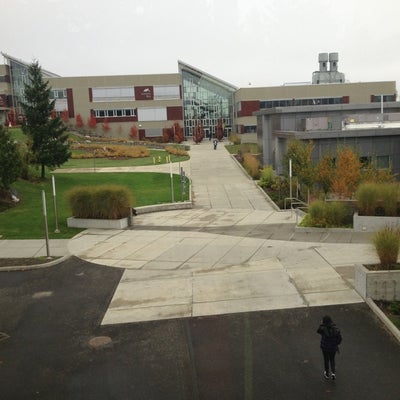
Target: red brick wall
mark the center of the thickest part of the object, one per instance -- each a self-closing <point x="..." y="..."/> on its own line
<point x="174" y="113"/>
<point x="70" y="102"/>
<point x="248" y="107"/>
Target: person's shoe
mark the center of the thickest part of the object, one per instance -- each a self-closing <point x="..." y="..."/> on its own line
<point x="333" y="376"/>
<point x="326" y="375"/>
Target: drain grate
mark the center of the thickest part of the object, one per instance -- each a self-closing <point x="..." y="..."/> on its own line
<point x="3" y="336"/>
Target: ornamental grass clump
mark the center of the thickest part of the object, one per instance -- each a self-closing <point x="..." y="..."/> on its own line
<point x="252" y="165"/>
<point x="387" y="245"/>
<point x="100" y="202"/>
<point x="327" y="215"/>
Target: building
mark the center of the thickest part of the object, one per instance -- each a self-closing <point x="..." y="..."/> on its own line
<point x="372" y="130"/>
<point x="152" y="103"/>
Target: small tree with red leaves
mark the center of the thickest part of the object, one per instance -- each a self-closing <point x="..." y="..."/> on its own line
<point x="134" y="133"/>
<point x="166" y="135"/>
<point x="179" y="137"/>
<point x="198" y="133"/>
<point x="79" y="121"/>
<point x="65" y="117"/>
<point x="105" y="125"/>
<point x="92" y="123"/>
<point x="220" y="130"/>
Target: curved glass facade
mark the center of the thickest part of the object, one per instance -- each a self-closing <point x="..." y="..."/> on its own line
<point x="206" y="100"/>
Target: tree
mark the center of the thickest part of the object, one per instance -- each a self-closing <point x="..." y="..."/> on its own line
<point x="79" y="121"/>
<point x="325" y="172"/>
<point x="48" y="141"/>
<point x="92" y="123"/>
<point x="198" y="133"/>
<point x="179" y="137"/>
<point x="134" y="132"/>
<point x="65" y="116"/>
<point x="10" y="160"/>
<point x="302" y="167"/>
<point x="220" y="130"/>
<point x="105" y="126"/>
<point x="348" y="173"/>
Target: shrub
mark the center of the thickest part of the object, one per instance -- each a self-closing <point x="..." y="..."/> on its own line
<point x="374" y="197"/>
<point x="100" y="202"/>
<point x="267" y="177"/>
<point x="317" y="213"/>
<point x="252" y="165"/>
<point x="367" y="196"/>
<point x="235" y="138"/>
<point x="336" y="213"/>
<point x="325" y="215"/>
<point x="176" y="151"/>
<point x="387" y="245"/>
<point x="390" y="198"/>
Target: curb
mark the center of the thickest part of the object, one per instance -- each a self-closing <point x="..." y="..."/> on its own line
<point x="386" y="321"/>
<point x="35" y="266"/>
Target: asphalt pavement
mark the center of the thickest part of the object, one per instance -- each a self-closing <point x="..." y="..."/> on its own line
<point x="56" y="347"/>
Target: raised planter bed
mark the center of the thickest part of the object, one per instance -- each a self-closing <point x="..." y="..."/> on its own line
<point x="377" y="285"/>
<point x="372" y="224"/>
<point x="73" y="222"/>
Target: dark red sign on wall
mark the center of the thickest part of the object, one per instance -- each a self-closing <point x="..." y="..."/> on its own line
<point x="144" y="93"/>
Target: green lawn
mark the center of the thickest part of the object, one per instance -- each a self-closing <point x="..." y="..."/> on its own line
<point x="25" y="221"/>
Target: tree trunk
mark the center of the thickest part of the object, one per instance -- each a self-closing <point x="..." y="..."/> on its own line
<point x="43" y="174"/>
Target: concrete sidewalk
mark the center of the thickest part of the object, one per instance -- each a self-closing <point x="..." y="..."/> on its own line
<point x="232" y="252"/>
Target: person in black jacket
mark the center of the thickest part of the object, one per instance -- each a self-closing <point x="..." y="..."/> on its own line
<point x="330" y="340"/>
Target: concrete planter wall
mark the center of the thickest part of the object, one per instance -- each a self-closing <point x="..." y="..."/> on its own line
<point x="373" y="224"/>
<point x="73" y="222"/>
<point x="377" y="285"/>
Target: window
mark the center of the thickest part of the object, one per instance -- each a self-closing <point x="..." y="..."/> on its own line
<point x="113" y="93"/>
<point x="385" y="98"/>
<point x="58" y="93"/>
<point x="114" y="113"/>
<point x="166" y="92"/>
<point x="152" y="114"/>
<point x="382" y="162"/>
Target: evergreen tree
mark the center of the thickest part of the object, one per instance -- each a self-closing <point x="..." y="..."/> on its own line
<point x="10" y="160"/>
<point x="48" y="140"/>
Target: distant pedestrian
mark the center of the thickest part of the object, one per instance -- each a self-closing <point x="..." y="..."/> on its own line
<point x="215" y="142"/>
<point x="330" y="340"/>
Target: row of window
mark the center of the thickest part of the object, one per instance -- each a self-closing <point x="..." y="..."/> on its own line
<point x="127" y="93"/>
<point x="119" y="112"/>
<point x="143" y="114"/>
<point x="300" y="102"/>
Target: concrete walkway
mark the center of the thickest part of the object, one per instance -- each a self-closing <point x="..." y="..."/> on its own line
<point x="231" y="253"/>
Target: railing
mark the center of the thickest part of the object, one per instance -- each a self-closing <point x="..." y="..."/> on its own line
<point x="293" y="201"/>
<point x="300" y="205"/>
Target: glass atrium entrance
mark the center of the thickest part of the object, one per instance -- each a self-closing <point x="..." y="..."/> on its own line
<point x="207" y="101"/>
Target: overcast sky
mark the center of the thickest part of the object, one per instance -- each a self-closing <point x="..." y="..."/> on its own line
<point x="257" y="42"/>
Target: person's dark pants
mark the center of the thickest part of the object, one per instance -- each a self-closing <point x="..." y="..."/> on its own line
<point x="329" y="360"/>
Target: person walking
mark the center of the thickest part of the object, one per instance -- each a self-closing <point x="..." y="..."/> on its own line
<point x="331" y="337"/>
<point x="215" y="142"/>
